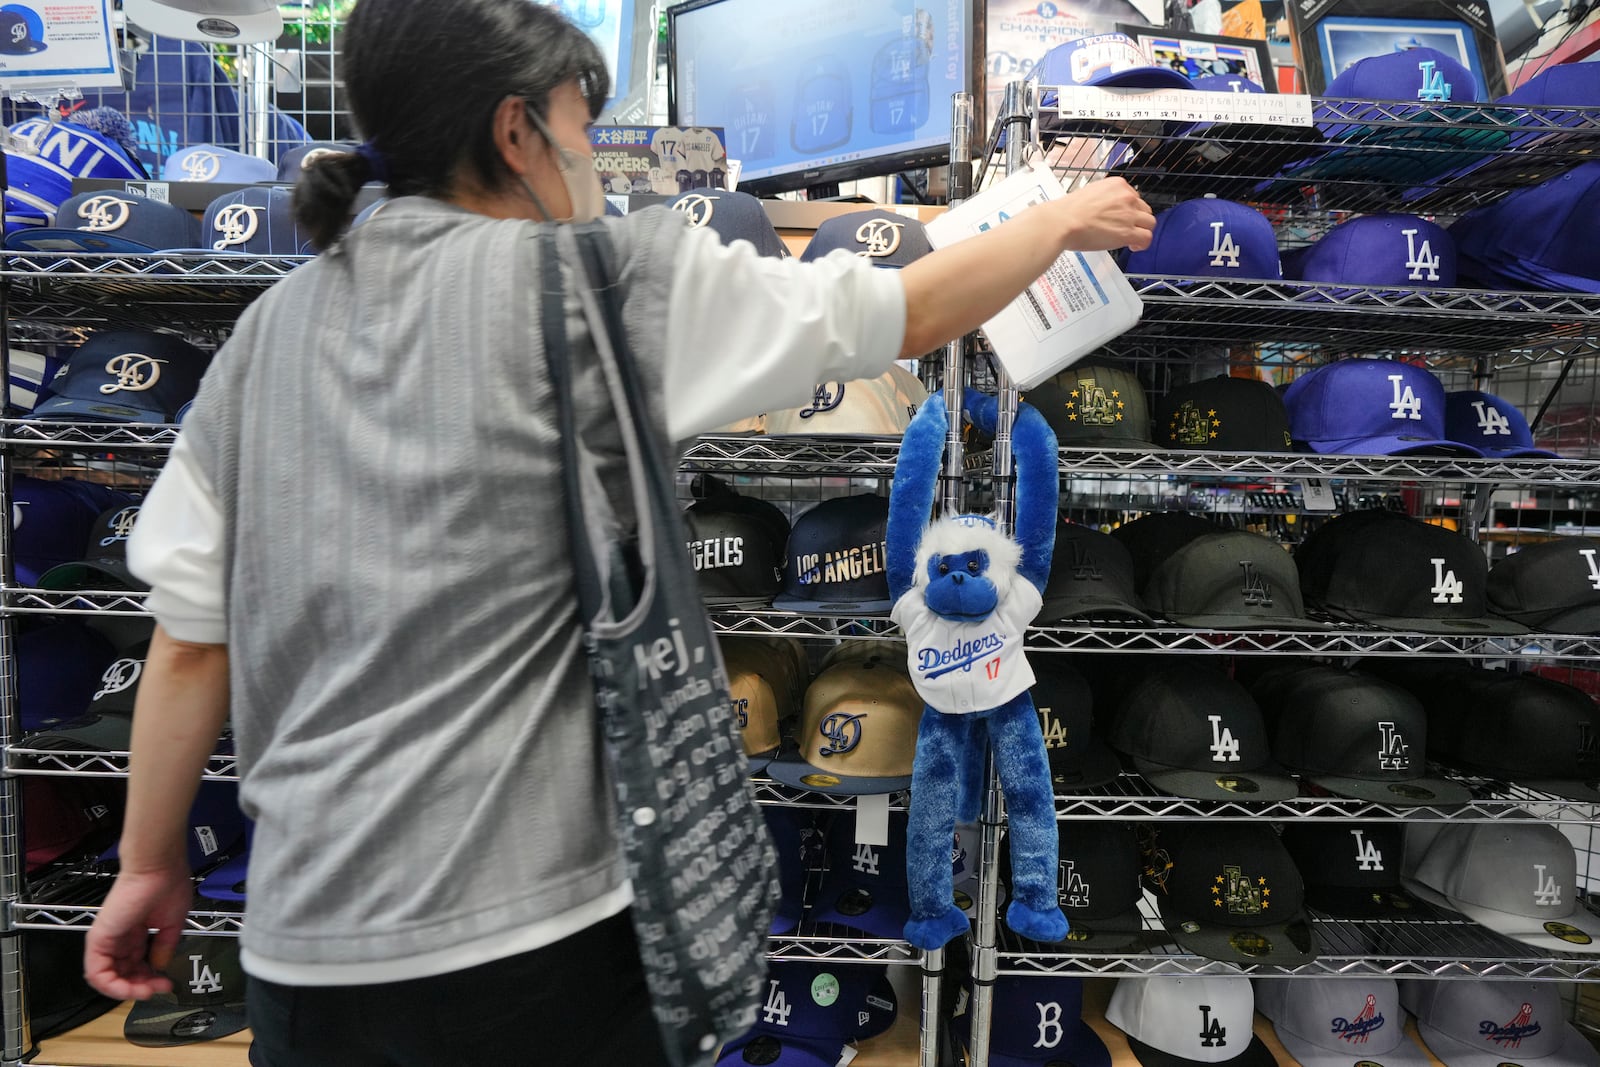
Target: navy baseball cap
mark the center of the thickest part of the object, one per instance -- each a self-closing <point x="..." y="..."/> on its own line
<point x="1224" y="414"/>
<point x="21" y="31"/>
<point x="1401" y="251"/>
<point x="1370" y="407"/>
<point x="297" y="159"/>
<point x="1091" y="577"/>
<point x="104" y="564"/>
<point x="1098" y="885"/>
<point x="227" y="880"/>
<point x="882" y="237"/>
<point x="1492" y="426"/>
<point x="125" y="376"/>
<point x="1537" y="238"/>
<point x="1351" y="869"/>
<point x="1552" y="587"/>
<point x="1105" y="59"/>
<point x="1232" y="893"/>
<point x="810" y="1011"/>
<point x="1037" y="1021"/>
<point x="59" y="670"/>
<point x="216" y="827"/>
<point x="794" y="835"/>
<point x="51" y="520"/>
<point x="864" y="888"/>
<point x="836" y="558"/>
<point x="1062" y="699"/>
<point x="111" y="223"/>
<point x="1213" y="238"/>
<point x="257" y="222"/>
<point x="732" y="216"/>
<point x="823" y="113"/>
<point x="213" y="163"/>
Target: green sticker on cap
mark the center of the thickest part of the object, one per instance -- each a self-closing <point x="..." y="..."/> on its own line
<point x="1190" y="927"/>
<point x="825" y="989"/>
<point x="1238" y="785"/>
<point x="819" y="781"/>
<point x="1568" y="933"/>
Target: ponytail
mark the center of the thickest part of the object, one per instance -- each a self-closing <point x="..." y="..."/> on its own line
<point x="327" y="190"/>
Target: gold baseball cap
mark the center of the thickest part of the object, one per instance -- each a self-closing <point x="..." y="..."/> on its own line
<point x="858" y="731"/>
<point x="859" y="650"/>
<point x="761" y="688"/>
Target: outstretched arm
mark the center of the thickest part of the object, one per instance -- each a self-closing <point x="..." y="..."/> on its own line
<point x="916" y="481"/>
<point x="1033" y="442"/>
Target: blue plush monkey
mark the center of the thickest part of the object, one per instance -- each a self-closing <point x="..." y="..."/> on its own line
<point x="964" y="595"/>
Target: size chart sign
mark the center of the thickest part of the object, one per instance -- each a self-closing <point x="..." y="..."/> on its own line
<point x="1176" y="105"/>
<point x="65" y="44"/>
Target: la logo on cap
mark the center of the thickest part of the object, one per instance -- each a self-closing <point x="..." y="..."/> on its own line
<point x="134" y="373"/>
<point x="842" y="731"/>
<point x="202" y="166"/>
<point x="1393" y="752"/>
<point x="1434" y="87"/>
<point x="1546" y="893"/>
<point x="1368" y="857"/>
<point x="1224" y="252"/>
<point x="1241" y="895"/>
<point x="105" y="214"/>
<point x="237" y="223"/>
<point x="1257" y="590"/>
<point x="1094" y="405"/>
<point x="698" y="207"/>
<point x="1357" y="1030"/>
<point x="880" y="237"/>
<point x="1422" y="262"/>
<point x="1406" y="403"/>
<point x="776" y="1010"/>
<point x="1189" y="427"/>
<point x="1511" y="1034"/>
<point x="1073" y="890"/>
<point x="1492" y="422"/>
<point x="1212" y="1033"/>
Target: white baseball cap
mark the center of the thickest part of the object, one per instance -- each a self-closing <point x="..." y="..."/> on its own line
<point x="209" y="21"/>
<point x="1179" y="1022"/>
<point x="867" y="407"/>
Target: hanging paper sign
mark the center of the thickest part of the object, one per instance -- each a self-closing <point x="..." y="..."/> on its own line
<point x="63" y="44"/>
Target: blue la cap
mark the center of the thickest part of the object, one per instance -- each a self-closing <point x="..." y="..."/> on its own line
<point x="52" y="520"/>
<point x="125" y="376"/>
<point x="1210" y="238"/>
<point x="1225" y="83"/>
<point x="21" y="30"/>
<point x="1564" y="85"/>
<point x="1543" y="237"/>
<point x="59" y="668"/>
<point x="792" y="830"/>
<point x="213" y="163"/>
<point x="1104" y="59"/>
<point x="1491" y="425"/>
<point x="1037" y="1022"/>
<point x="864" y="888"/>
<point x="900" y="95"/>
<point x="111" y="222"/>
<point x="292" y="162"/>
<point x="732" y="216"/>
<point x="1403" y="251"/>
<point x="257" y="222"/>
<point x="216" y="827"/>
<point x="822" y="111"/>
<point x="881" y="237"/>
<point x="810" y="1011"/>
<point x="227" y="880"/>
<point x="1370" y="407"/>
<point x="1422" y="75"/>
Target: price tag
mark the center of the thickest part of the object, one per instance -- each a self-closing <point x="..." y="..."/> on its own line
<point x="1318" y="495"/>
<point x="1179" y="105"/>
<point x="872" y="820"/>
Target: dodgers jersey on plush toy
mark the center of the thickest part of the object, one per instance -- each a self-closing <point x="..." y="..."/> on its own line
<point x="964" y="594"/>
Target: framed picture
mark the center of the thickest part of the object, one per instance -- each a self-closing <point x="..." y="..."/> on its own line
<point x="1344" y="41"/>
<point x="1200" y="54"/>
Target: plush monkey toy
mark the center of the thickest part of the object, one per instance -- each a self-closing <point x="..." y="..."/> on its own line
<point x="964" y="595"/>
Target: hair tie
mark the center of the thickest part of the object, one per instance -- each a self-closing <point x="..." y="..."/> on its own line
<point x="375" y="161"/>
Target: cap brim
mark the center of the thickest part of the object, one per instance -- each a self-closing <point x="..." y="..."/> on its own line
<point x="1577" y="933"/>
<point x="1248" y="622"/>
<point x="795" y="772"/>
<point x="737" y="601"/>
<point x="71" y="408"/>
<point x="1412" y="793"/>
<point x="1575" y="1050"/>
<point x="1144" y="78"/>
<point x="1348" y="902"/>
<point x="109" y="732"/>
<point x="1568" y="789"/>
<point x="49" y="239"/>
<point x="1288" y="943"/>
<point x="161" y="1022"/>
<point x="90" y="574"/>
<point x="163" y="21"/>
<point x="1243" y="786"/>
<point x="1061" y="609"/>
<point x="1486" y="625"/>
<point x="1094" y="766"/>
<point x="1119" y="933"/>
<point x="1516" y="453"/>
<point x="790" y="1051"/>
<point x="758" y="761"/>
<point x="1255" y="1054"/>
<point x="1107" y="444"/>
<point x="833" y="607"/>
<point x="1390" y="445"/>
<point x="840" y="901"/>
<point x="1404" y="1054"/>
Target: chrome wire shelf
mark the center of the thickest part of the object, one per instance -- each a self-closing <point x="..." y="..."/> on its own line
<point x="29" y="916"/>
<point x="23" y="758"/>
<point x="1576" y="474"/>
<point x="1132" y="798"/>
<point x="769" y="792"/>
<point x="1432" y="943"/>
<point x="159" y="291"/>
<point x="93" y="436"/>
<point x="25" y="601"/>
<point x="839" y="456"/>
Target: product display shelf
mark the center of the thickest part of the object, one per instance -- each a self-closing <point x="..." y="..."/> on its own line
<point x="25" y="757"/>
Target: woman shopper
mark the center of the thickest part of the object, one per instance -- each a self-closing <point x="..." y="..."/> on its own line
<point x="358" y="548"/>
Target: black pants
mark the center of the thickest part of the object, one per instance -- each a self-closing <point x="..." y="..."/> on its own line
<point x="580" y="1001"/>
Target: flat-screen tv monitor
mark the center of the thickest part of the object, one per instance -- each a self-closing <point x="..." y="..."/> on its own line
<point x="813" y="93"/>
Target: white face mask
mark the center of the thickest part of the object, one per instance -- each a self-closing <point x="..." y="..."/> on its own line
<point x="577" y="174"/>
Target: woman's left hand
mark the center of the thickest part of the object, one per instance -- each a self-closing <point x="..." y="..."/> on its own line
<point x="121" y="958"/>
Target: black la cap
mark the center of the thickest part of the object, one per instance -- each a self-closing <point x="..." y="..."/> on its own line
<point x="1232" y="893"/>
<point x="835" y="563"/>
<point x="1097" y="885"/>
<point x="1095" y="405"/>
<point x="1224" y="414"/>
<point x="1065" y="705"/>
<point x="1553" y="587"/>
<point x="1091" y="577"/>
<point x="1358" y="736"/>
<point x="1391" y="570"/>
<point x="1233" y="579"/>
<point x="736" y="559"/>
<point x="1350" y="869"/>
<point x="1444" y="690"/>
<point x="1534" y="731"/>
<point x="1195" y="732"/>
<point x="1151" y="539"/>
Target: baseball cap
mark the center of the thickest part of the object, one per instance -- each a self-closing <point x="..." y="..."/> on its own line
<point x="1332" y="1022"/>
<point x="216" y="826"/>
<point x="1534" y="731"/>
<point x="1194" y="732"/>
<point x="1233" y="894"/>
<point x="1078" y="758"/>
<point x="858" y="731"/>
<point x="1418" y="74"/>
<point x="258" y="221"/>
<point x="794" y="836"/>
<point x="105" y="560"/>
<point x="227" y="879"/>
<point x="59" y="667"/>
<point x="732" y="216"/>
<point x="1358" y="736"/>
<point x="1037" y="1021"/>
<point x="21" y="31"/>
<point x="1224" y="414"/>
<point x="823" y="113"/>
<point x="1351" y="870"/>
<point x="835" y="563"/>
<point x="1103" y="59"/>
<point x="1537" y="238"/>
<point x="300" y="158"/>
<point x="762" y="698"/>
<point x="59" y="999"/>
<point x="1097" y="885"/>
<point x="1433" y="580"/>
<point x="737" y="555"/>
<point x="1095" y="405"/>
<point x="208" y="21"/>
<point x="1496" y="1024"/>
<point x="125" y="376"/>
<point x="864" y="887"/>
<point x="59" y="816"/>
<point x="1091" y="577"/>
<point x="213" y="163"/>
<point x="900" y="91"/>
<point x="51" y="520"/>
<point x="866" y="407"/>
<point x="29" y="373"/>
<point x="1232" y="580"/>
<point x="884" y="238"/>
<point x="1370" y="407"/>
<point x="1189" y="1020"/>
<point x="1553" y="586"/>
<point x="1152" y="538"/>
<point x="113" y="223"/>
<point x="207" y="999"/>
<point x="1518" y="877"/>
<point x="811" y="1010"/>
<point x="1213" y="238"/>
<point x="1402" y="251"/>
<point x="1490" y="425"/>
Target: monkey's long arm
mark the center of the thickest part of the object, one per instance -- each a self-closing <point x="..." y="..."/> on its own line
<point x="1038" y="480"/>
<point x="916" y="481"/>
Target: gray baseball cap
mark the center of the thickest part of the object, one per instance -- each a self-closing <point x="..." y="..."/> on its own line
<point x="1516" y="877"/>
<point x="1178" y="1022"/>
<point x="1496" y="1024"/>
<point x="1338" y="1022"/>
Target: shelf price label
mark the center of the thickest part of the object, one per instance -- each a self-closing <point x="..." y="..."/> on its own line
<point x="1122" y="104"/>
